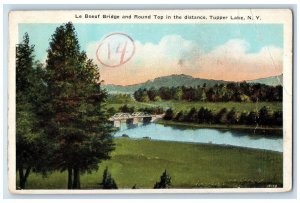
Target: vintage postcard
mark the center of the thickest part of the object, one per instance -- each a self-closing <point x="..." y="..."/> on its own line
<point x="150" y="101"/>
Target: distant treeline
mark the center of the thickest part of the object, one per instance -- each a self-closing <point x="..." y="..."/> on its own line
<point x="126" y="109"/>
<point x="237" y="92"/>
<point x="119" y="98"/>
<point x="263" y="117"/>
<point x="225" y="116"/>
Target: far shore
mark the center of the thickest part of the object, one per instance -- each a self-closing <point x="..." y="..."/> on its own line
<point x="219" y="126"/>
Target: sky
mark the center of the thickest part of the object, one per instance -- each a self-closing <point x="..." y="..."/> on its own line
<point x="232" y="52"/>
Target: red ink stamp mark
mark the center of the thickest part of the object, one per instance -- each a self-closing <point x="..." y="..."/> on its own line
<point x="115" y="50"/>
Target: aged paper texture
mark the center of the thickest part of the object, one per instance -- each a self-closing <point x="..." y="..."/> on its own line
<point x="150" y="101"/>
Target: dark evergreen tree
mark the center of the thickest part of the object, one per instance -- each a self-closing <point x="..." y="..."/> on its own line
<point x="243" y="118"/>
<point x="252" y="118"/>
<point x="232" y="117"/>
<point x="179" y="116"/>
<point x="107" y="181"/>
<point x="192" y="115"/>
<point x="165" y="181"/>
<point x="76" y="122"/>
<point x="169" y="114"/>
<point x="221" y="116"/>
<point x="277" y="118"/>
<point x="32" y="147"/>
<point x="264" y="116"/>
<point x="205" y="115"/>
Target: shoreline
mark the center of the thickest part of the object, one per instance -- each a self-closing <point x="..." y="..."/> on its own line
<point x="218" y="126"/>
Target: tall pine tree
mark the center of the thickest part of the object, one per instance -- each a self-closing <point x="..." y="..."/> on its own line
<point x="77" y="121"/>
<point x="32" y="147"/>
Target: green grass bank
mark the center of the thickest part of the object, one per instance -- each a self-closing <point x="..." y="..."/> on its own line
<point x="141" y="162"/>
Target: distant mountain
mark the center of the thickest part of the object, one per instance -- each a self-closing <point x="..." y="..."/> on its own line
<point x="182" y="80"/>
<point x="165" y="81"/>
<point x="272" y="81"/>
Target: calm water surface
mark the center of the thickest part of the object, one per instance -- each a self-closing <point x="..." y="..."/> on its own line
<point x="202" y="135"/>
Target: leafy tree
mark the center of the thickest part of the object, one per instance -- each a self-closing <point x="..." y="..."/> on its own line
<point x="137" y="94"/>
<point x="144" y="97"/>
<point x="107" y="181"/>
<point x="238" y="92"/>
<point x="178" y="93"/>
<point x="201" y="96"/>
<point x="77" y="122"/>
<point x="152" y="93"/>
<point x="157" y="98"/>
<point x="32" y="146"/>
<point x="141" y="95"/>
<point x="165" y="93"/>
<point x="211" y="96"/>
<point x="165" y="181"/>
<point x="244" y="98"/>
<point x="189" y="94"/>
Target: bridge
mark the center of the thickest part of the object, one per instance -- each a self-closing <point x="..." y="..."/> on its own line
<point x="133" y="118"/>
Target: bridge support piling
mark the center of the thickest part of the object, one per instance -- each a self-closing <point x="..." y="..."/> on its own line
<point x="135" y="121"/>
<point x="117" y="123"/>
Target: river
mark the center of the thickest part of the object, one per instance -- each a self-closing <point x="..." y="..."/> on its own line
<point x="240" y="138"/>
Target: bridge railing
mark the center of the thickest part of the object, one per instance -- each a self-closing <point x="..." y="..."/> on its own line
<point x="122" y="116"/>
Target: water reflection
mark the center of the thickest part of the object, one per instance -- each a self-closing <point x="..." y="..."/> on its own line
<point x="242" y="138"/>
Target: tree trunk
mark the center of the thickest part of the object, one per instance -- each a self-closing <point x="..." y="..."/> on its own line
<point x="76" y="179"/>
<point x="70" y="176"/>
<point x="23" y="177"/>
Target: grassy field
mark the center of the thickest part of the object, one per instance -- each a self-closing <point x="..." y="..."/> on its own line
<point x="141" y="162"/>
<point x="214" y="106"/>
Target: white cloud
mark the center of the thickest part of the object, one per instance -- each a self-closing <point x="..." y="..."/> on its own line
<point x="176" y="55"/>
